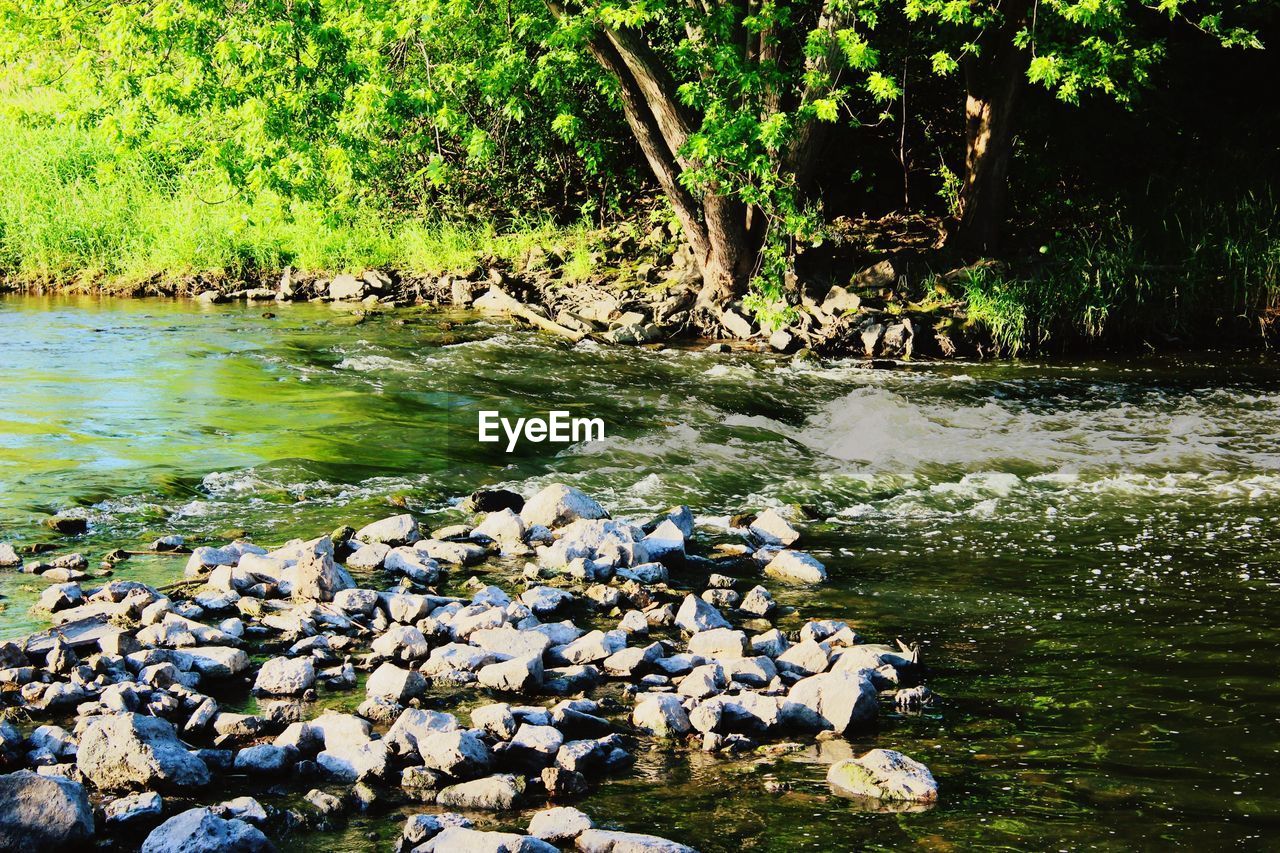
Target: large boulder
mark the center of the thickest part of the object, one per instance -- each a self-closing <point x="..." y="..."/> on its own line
<point x="201" y="831"/>
<point x="503" y="526"/>
<point x="884" y="774"/>
<point x="661" y="715"/>
<point x="395" y="684"/>
<point x="461" y="754"/>
<point x="559" y="825"/>
<point x="840" y="701"/>
<point x="719" y="643"/>
<point x="133" y="751"/>
<point x="697" y="615"/>
<point x="402" y="642"/>
<point x="396" y="530"/>
<point x="316" y="576"/>
<point x="558" y="504"/>
<point x="544" y="600"/>
<point x="40" y="813"/>
<point x="493" y="793"/>
<point x="415" y="723"/>
<point x="352" y="762"/>
<point x="770" y="528"/>
<point x="286" y="676"/>
<point x="134" y="808"/>
<point x="513" y="676"/>
<point x="666" y="542"/>
<point x="218" y="661"/>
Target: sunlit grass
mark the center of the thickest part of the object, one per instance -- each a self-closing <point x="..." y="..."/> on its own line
<point x="71" y="207"/>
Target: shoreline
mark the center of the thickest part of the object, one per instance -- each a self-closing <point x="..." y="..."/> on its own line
<point x="696" y="662"/>
<point x="621" y="312"/>
<point x="855" y="321"/>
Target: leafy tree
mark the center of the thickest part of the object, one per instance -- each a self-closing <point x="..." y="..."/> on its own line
<point x="730" y="104"/>
<point x="439" y="102"/>
<point x="1070" y="47"/>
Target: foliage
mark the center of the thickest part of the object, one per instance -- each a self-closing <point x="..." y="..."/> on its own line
<point x="445" y="103"/>
<point x="1074" y="47"/>
<point x="1125" y="276"/>
<point x="72" y="206"/>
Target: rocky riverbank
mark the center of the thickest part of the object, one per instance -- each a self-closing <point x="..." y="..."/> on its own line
<point x="337" y="674"/>
<point x="645" y="292"/>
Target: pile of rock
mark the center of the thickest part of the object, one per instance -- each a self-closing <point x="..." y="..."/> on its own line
<point x="567" y="703"/>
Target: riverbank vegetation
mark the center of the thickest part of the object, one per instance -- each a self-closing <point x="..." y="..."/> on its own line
<point x="1098" y="171"/>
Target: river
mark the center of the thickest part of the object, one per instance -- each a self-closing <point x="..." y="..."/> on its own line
<point x="1086" y="551"/>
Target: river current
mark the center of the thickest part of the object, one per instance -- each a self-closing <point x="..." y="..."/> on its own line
<point x="1087" y="551"/>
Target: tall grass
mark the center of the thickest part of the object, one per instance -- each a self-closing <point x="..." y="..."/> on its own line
<point x="1196" y="271"/>
<point x="73" y="207"/>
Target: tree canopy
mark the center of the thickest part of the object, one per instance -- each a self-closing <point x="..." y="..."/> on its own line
<point x="751" y="118"/>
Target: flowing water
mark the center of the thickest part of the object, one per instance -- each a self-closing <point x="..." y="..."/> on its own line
<point x="1087" y="552"/>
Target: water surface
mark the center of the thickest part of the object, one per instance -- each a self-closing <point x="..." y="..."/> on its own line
<point x="1088" y="552"/>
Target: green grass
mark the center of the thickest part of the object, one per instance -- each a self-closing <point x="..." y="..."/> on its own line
<point x="74" y="208"/>
<point x="1202" y="271"/>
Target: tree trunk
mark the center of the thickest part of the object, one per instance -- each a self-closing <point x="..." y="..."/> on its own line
<point x="730" y="256"/>
<point x="993" y="84"/>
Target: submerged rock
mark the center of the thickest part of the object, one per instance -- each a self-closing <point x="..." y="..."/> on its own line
<point x="884" y="774"/>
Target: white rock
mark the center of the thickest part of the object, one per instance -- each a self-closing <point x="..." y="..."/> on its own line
<point x="285" y="676"/>
<point x="666" y="542"/>
<point x="559" y="825"/>
<point x="796" y="566"/>
<point x="544" y="600"/>
<point x="558" y="505"/>
<point x="395" y="684"/>
<point x="840" y="701"/>
<point x="368" y="556"/>
<point x="513" y="676"/>
<point x="696" y="615"/>
<point x="395" y="530"/>
<point x="719" y="643"/>
<point x="503" y="526"/>
<point x="201" y="831"/>
<point x="661" y="715"/>
<point x="459" y="754"/>
<point x="608" y="841"/>
<point x="772" y="529"/>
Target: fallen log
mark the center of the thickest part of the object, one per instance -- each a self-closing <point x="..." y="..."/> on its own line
<point x="498" y="301"/>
